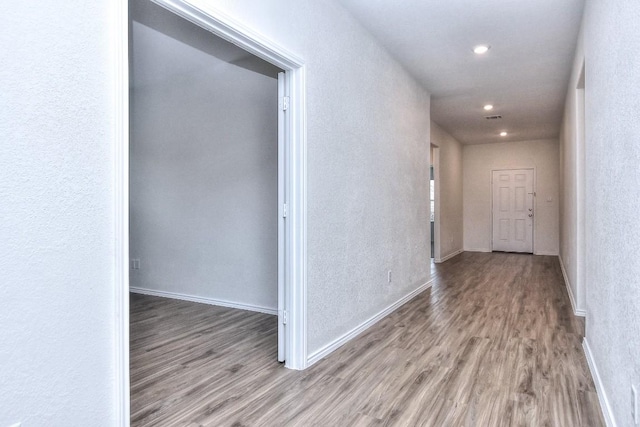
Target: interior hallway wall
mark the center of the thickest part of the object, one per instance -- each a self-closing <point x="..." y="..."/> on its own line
<point x="368" y="163"/>
<point x="478" y="162"/>
<point x="204" y="164"/>
<point x="451" y="224"/>
<point x="57" y="364"/>
<point x="571" y="159"/>
<point x="612" y="56"/>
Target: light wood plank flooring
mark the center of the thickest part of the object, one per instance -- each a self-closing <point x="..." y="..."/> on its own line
<point x="492" y="343"/>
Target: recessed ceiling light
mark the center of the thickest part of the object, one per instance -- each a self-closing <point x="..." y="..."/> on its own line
<point x="503" y="134"/>
<point x="488" y="107"/>
<point x="481" y="49"/>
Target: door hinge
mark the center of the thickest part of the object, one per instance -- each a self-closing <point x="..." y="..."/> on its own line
<point x="284" y="210"/>
<point x="285" y="103"/>
<point x="285" y="317"/>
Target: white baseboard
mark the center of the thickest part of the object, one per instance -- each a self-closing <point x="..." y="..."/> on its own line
<point x="543" y="253"/>
<point x="476" y="250"/>
<point x="448" y="257"/>
<point x="605" y="407"/>
<point x="203" y="300"/>
<point x="340" y="341"/>
<point x="576" y="311"/>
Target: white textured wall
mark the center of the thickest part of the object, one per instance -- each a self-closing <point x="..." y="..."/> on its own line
<point x="204" y="163"/>
<point x="479" y="160"/>
<point x="56" y="227"/>
<point x="612" y="51"/>
<point x="368" y="163"/>
<point x="451" y="224"/>
<point x="571" y="159"/>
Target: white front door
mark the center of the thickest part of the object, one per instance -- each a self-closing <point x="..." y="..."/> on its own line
<point x="513" y="210"/>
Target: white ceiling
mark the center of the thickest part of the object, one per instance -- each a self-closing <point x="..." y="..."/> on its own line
<point x="524" y="75"/>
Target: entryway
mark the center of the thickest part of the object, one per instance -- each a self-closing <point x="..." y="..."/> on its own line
<point x="513" y="210"/>
<point x="293" y="125"/>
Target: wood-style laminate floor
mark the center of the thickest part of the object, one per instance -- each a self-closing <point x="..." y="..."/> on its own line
<point x="492" y="343"/>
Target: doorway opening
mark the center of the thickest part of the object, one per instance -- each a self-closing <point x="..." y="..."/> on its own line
<point x="434" y="202"/>
<point x="206" y="182"/>
<point x="293" y="135"/>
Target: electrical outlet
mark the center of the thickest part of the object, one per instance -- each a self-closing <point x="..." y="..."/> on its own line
<point x="634" y="405"/>
<point x="135" y="264"/>
<point x="389" y="276"/>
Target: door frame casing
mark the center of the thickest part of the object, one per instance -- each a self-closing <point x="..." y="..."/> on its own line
<point x="296" y="179"/>
<point x="435" y="162"/>
<point x="580" y="196"/>
<point x="535" y="202"/>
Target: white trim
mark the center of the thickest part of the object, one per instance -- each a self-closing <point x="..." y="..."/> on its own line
<point x="297" y="239"/>
<point x="233" y="31"/>
<point x="545" y="253"/>
<point x="222" y="25"/>
<point x="120" y="59"/>
<point x="283" y="123"/>
<point x="343" y="339"/>
<point x="476" y="250"/>
<point x="605" y="407"/>
<point x="437" y="246"/>
<point x="576" y="310"/>
<point x="448" y="257"/>
<point x="580" y="188"/>
<point x="203" y="300"/>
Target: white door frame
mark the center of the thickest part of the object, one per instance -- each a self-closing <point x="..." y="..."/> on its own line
<point x="437" y="247"/>
<point x="282" y="161"/>
<point x="535" y="202"/>
<point x="581" y="277"/>
<point x="296" y="186"/>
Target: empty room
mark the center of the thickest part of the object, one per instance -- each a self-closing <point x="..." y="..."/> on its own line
<point x="204" y="223"/>
<point x="219" y="213"/>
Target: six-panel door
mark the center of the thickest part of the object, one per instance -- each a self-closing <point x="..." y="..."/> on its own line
<point x="513" y="210"/>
